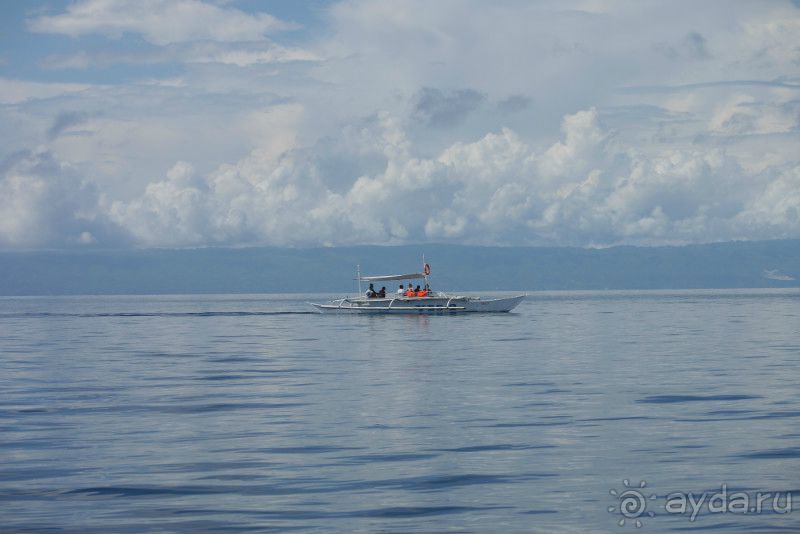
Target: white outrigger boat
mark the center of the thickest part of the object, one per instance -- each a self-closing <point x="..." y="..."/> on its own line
<point x="434" y="302"/>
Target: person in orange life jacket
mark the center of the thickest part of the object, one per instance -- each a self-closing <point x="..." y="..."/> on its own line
<point x="410" y="292"/>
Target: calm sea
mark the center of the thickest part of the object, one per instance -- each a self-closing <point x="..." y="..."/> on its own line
<point x="572" y="414"/>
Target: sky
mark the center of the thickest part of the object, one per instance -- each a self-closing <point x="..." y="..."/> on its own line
<point x="189" y="123"/>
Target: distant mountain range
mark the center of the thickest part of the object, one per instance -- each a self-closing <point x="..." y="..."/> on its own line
<point x="455" y="267"/>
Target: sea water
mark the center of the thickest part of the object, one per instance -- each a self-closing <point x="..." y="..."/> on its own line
<point x="578" y="412"/>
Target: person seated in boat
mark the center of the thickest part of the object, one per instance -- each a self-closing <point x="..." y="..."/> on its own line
<point x="382" y="293"/>
<point x="417" y="291"/>
<point x="410" y="291"/>
<point x="371" y="292"/>
<point x="400" y="291"/>
<point x="423" y="292"/>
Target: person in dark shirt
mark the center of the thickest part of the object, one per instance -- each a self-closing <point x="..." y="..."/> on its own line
<point x="382" y="293"/>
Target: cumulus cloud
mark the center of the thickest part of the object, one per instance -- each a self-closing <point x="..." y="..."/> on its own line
<point x="586" y="188"/>
<point x="775" y="209"/>
<point x="577" y="123"/>
<point x="170" y="212"/>
<point x="43" y="203"/>
<point x="159" y="21"/>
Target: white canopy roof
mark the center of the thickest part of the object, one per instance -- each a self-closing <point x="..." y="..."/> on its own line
<point x="390" y="277"/>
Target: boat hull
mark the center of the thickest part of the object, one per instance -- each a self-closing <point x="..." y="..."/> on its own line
<point x="423" y="305"/>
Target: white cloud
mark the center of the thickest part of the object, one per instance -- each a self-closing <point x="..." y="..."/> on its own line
<point x="772" y="40"/>
<point x="171" y="212"/>
<point x="43" y="203"/>
<point x="244" y="57"/>
<point x="775" y="211"/>
<point x="19" y="91"/>
<point x="743" y="114"/>
<point x="160" y="22"/>
<point x="583" y="138"/>
<point x="585" y="123"/>
<point x="582" y="189"/>
<point x="206" y="52"/>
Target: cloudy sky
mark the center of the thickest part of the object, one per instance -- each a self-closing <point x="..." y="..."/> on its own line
<point x="155" y="123"/>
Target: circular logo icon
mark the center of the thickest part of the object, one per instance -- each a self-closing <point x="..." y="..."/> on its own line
<point x="631" y="503"/>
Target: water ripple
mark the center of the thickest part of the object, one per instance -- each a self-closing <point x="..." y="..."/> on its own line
<point x="670" y="399"/>
<point x="253" y="413"/>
